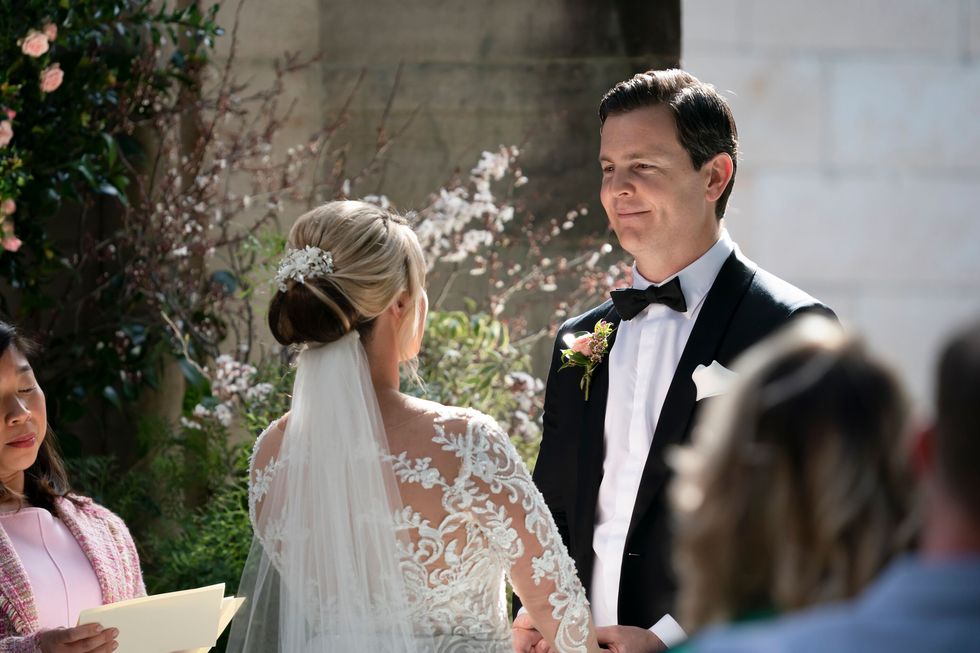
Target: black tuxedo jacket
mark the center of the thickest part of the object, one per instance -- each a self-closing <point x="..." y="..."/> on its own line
<point x="744" y="305"/>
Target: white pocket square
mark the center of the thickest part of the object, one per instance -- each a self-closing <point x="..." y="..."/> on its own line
<point x="712" y="380"/>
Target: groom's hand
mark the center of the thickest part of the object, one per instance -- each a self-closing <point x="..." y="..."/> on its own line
<point x="629" y="639"/>
<point x="524" y="635"/>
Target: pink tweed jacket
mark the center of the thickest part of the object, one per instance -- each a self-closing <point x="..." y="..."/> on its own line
<point x="109" y="547"/>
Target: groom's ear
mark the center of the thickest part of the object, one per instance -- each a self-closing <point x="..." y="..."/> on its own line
<point x="718" y="171"/>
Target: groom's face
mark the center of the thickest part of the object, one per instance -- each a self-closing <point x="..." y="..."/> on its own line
<point x="654" y="197"/>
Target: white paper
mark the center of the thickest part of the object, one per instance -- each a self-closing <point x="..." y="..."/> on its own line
<point x="188" y="620"/>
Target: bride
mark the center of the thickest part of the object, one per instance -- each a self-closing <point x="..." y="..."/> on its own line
<point x="382" y="522"/>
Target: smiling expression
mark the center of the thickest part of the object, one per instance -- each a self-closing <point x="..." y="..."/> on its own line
<point x="657" y="202"/>
<point x="24" y="418"/>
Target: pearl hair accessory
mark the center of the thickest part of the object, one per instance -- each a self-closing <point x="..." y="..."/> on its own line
<point x="302" y="264"/>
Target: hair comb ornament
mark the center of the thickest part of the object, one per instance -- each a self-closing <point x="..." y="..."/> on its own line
<point x="301" y="264"/>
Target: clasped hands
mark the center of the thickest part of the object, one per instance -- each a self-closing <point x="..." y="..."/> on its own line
<point x="619" y="639"/>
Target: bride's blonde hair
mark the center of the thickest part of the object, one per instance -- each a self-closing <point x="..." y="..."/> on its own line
<point x="376" y="257"/>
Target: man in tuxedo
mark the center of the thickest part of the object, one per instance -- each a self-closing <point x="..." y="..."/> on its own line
<point x="668" y="158"/>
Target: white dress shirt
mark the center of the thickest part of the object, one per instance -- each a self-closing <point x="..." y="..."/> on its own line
<point x="642" y="362"/>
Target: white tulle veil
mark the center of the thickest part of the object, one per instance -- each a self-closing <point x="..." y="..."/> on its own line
<point x="323" y="572"/>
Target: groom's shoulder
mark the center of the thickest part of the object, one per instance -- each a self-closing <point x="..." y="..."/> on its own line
<point x="586" y="321"/>
<point x="770" y="293"/>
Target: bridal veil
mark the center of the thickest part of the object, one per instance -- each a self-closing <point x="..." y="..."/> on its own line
<point x="323" y="572"/>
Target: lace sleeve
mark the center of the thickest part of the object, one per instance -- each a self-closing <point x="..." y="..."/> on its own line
<point x="519" y="527"/>
<point x="263" y="464"/>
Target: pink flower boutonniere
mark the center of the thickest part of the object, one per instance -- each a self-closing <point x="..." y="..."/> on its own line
<point x="586" y="350"/>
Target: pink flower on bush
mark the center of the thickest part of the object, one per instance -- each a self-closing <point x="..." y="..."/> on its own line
<point x="11" y="243"/>
<point x="11" y="114"/>
<point x="34" y="44"/>
<point x="51" y="78"/>
<point x="8" y="207"/>
<point x="6" y="132"/>
<point x="51" y="31"/>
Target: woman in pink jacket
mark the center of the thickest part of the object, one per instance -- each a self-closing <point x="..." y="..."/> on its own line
<point x="60" y="553"/>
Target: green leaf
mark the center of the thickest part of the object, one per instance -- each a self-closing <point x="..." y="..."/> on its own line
<point x="110" y="148"/>
<point x="195" y="379"/>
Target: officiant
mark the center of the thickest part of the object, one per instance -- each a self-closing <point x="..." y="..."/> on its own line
<point x="668" y="157"/>
<point x="60" y="553"/>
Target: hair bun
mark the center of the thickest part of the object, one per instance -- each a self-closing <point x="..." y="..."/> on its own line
<point x="303" y="314"/>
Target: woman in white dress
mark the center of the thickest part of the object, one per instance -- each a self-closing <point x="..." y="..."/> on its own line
<point x="384" y="522"/>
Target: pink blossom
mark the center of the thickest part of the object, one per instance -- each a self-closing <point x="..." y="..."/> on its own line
<point x="34" y="44"/>
<point x="8" y="207"/>
<point x="51" y="31"/>
<point x="11" y="243"/>
<point x="583" y="345"/>
<point x="51" y="78"/>
<point x="6" y="132"/>
<point x="11" y="114"/>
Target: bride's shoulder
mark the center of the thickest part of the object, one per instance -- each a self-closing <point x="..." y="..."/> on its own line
<point x="268" y="444"/>
<point x="460" y="419"/>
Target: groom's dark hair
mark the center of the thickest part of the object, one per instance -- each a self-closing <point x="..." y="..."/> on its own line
<point x="705" y="125"/>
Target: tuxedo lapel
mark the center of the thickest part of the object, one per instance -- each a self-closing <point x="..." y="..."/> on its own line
<point x="712" y="323"/>
<point x="592" y="444"/>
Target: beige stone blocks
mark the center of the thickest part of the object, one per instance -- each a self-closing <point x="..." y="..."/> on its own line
<point x="907" y="26"/>
<point x="711" y="24"/>
<point x="905" y="114"/>
<point x="973" y="27"/>
<point x="910" y="331"/>
<point x="779" y="104"/>
<point x="867" y="230"/>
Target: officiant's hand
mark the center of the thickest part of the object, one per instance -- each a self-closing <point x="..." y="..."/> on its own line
<point x="90" y="638"/>
<point x="524" y="635"/>
<point x="629" y="639"/>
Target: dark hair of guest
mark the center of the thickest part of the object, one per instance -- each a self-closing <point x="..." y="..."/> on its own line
<point x="958" y="418"/>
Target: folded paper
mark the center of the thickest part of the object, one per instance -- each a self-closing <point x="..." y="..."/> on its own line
<point x="188" y="621"/>
<point x="715" y="379"/>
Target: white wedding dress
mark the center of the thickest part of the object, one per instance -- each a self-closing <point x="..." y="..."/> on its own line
<point x="467" y="517"/>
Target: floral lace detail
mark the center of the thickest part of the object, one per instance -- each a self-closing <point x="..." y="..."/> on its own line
<point x="260" y="479"/>
<point x="492" y="523"/>
<point x="454" y="570"/>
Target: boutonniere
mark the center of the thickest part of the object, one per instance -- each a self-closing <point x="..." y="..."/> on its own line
<point x="586" y="350"/>
<point x="715" y="379"/>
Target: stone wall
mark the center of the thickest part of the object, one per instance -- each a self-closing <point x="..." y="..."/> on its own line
<point x="464" y="77"/>
<point x="859" y="178"/>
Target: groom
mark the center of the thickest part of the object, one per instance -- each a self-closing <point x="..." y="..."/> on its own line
<point x="668" y="158"/>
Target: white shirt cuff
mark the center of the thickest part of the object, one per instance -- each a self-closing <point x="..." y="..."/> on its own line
<point x="669" y="631"/>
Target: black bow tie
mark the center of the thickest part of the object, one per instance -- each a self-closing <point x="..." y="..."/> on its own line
<point x="630" y="301"/>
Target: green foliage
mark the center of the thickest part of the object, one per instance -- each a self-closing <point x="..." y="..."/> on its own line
<point x="468" y="359"/>
<point x="68" y="144"/>
<point x="77" y="156"/>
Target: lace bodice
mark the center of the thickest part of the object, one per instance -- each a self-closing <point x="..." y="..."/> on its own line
<point x="471" y="517"/>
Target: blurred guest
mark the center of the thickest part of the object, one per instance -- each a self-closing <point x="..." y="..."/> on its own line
<point x="928" y="602"/>
<point x="60" y="553"/>
<point x="793" y="490"/>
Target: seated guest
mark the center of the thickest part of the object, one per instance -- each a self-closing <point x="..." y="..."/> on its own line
<point x="928" y="602"/>
<point x="60" y="553"/>
<point x="793" y="490"/>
